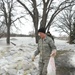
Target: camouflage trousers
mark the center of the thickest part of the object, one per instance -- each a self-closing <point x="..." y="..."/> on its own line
<point x="43" y="67"/>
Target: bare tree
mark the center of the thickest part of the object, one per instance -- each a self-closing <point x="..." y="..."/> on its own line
<point x="65" y="22"/>
<point x="44" y="11"/>
<point x="7" y="14"/>
<point x="72" y="39"/>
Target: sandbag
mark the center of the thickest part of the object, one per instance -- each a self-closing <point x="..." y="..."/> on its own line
<point x="51" y="69"/>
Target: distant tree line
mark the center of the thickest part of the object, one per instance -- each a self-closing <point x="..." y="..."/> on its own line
<point x="16" y="35"/>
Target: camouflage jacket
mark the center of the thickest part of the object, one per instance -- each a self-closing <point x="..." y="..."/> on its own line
<point x="45" y="46"/>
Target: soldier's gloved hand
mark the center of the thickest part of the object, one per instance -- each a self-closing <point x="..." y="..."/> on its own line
<point x="33" y="58"/>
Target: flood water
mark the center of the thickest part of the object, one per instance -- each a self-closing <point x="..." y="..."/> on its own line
<point x="16" y="59"/>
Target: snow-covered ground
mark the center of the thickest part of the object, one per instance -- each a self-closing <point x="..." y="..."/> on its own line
<point x="16" y="60"/>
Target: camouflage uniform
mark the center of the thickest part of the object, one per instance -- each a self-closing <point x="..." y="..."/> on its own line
<point x="45" y="46"/>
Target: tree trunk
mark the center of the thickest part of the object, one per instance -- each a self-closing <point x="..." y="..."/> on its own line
<point x="70" y="38"/>
<point x="72" y="35"/>
<point x="8" y="35"/>
<point x="36" y="34"/>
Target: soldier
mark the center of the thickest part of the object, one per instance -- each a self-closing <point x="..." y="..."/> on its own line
<point x="46" y="48"/>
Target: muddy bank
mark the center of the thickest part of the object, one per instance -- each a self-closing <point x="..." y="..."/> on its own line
<point x="65" y="62"/>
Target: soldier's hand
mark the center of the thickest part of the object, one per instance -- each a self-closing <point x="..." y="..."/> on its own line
<point x="53" y="53"/>
<point x="33" y="58"/>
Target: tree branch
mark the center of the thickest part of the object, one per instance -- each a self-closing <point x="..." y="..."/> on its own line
<point x="56" y="12"/>
<point x="18" y="18"/>
<point x="25" y="8"/>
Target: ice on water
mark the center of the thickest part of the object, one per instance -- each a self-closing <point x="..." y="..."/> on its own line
<point x="16" y="59"/>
